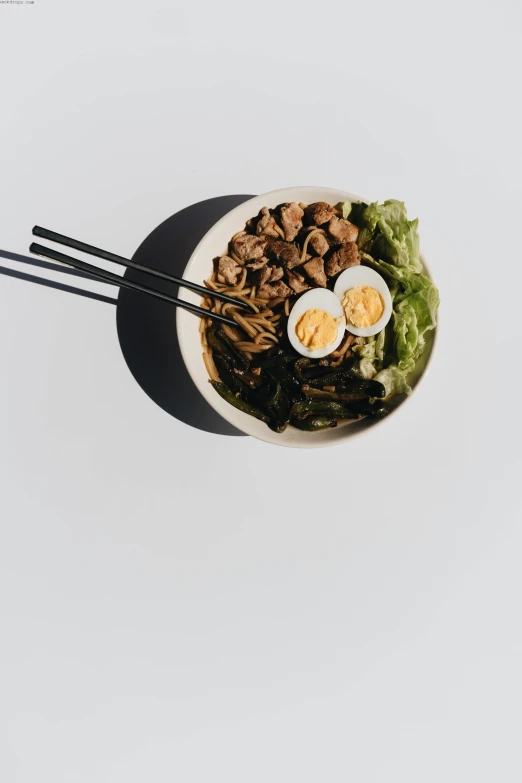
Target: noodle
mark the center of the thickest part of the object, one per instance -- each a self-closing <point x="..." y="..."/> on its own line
<point x="236" y="258"/>
<point x="252" y="347"/>
<point x="230" y="332"/>
<point x="263" y="323"/>
<point x="265" y="336"/>
<point x="249" y="302"/>
<point x="279" y="230"/>
<point x="287" y="307"/>
<point x="305" y="245"/>
<point x="243" y="323"/>
<point x="211" y="367"/>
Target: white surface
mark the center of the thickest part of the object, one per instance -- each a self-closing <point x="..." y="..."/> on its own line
<point x="181" y="606"/>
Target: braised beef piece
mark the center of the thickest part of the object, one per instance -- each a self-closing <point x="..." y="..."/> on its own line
<point x="260" y="276"/>
<point x="297" y="282"/>
<point x="347" y="255"/>
<point x="276" y="273"/>
<point x="342" y="230"/>
<point x="291" y="219"/>
<point x="247" y="246"/>
<point x="315" y="270"/>
<point x="273" y="290"/>
<point x="266" y="225"/>
<point x="319" y="243"/>
<point x="318" y="213"/>
<point x="228" y="271"/>
<point x="257" y="263"/>
<point x="285" y="252"/>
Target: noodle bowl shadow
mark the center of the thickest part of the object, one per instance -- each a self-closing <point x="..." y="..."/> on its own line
<point x="147" y="326"/>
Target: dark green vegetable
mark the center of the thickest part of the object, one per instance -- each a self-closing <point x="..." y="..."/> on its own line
<point x="318" y="407"/>
<point x="220" y="347"/>
<point x="226" y="374"/>
<point x="240" y="356"/>
<point x="288" y="381"/>
<point x="300" y="366"/>
<point x="313" y="423"/>
<point x="277" y="405"/>
<point x="305" y="370"/>
<point x="238" y="403"/>
<point x="355" y="215"/>
<point x="333" y="378"/>
<point x="352" y="408"/>
<point x="275" y="356"/>
<point x="353" y="387"/>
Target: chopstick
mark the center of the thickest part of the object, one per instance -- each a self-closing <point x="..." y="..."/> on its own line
<point x="110" y="277"/>
<point x="75" y="244"/>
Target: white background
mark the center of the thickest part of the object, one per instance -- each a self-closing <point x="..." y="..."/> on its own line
<point x="181" y="606"/>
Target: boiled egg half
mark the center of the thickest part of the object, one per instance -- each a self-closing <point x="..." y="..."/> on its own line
<point x="316" y="324"/>
<point x="365" y="300"/>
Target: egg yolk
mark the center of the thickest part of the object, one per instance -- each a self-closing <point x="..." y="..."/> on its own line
<point x="363" y="306"/>
<point x="316" y="329"/>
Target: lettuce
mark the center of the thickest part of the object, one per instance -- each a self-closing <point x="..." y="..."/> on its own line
<point x="389" y="243"/>
<point x="387" y="234"/>
<point x="393" y="380"/>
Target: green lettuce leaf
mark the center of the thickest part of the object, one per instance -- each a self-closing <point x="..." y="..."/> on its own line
<point x="389" y="243"/>
<point x="394" y="381"/>
<point x="345" y="207"/>
<point x="354" y="210"/>
<point x="387" y="234"/>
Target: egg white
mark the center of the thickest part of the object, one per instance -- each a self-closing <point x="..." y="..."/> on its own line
<point x="356" y="276"/>
<point x="316" y="299"/>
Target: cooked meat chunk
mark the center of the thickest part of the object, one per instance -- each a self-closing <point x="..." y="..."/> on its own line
<point x="315" y="270"/>
<point x="228" y="271"/>
<point x="347" y="255"/>
<point x="247" y="246"/>
<point x="319" y="243"/>
<point x="260" y="276"/>
<point x="285" y="252"/>
<point x="266" y="226"/>
<point x="276" y="273"/>
<point x="292" y="220"/>
<point x="318" y="213"/>
<point x="257" y="263"/>
<point x="297" y="282"/>
<point x="342" y="230"/>
<point x="273" y="290"/>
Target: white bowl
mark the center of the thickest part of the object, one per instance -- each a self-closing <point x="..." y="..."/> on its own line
<point x="213" y="244"/>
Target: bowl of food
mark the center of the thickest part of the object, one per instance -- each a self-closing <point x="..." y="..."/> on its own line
<point x="335" y="321"/>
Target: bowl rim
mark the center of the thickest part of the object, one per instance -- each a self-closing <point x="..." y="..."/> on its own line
<point x="212" y="399"/>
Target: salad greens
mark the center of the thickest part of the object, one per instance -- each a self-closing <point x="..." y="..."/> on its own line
<point x="389" y="243"/>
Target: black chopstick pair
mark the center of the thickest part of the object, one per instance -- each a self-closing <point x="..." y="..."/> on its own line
<point x="111" y="278"/>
